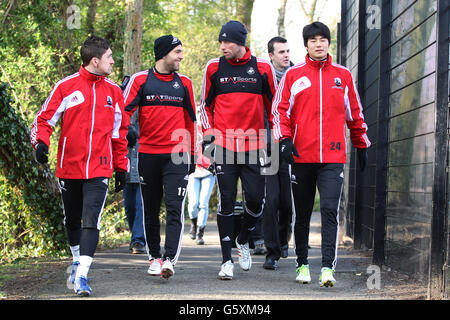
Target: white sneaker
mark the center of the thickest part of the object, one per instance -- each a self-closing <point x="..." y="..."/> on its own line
<point x="155" y="267"/>
<point x="326" y="278"/>
<point x="226" y="271"/>
<point x="303" y="275"/>
<point x="167" y="269"/>
<point x="245" y="259"/>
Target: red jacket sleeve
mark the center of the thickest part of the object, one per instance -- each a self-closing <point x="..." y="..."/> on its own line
<point x="269" y="83"/>
<point x="207" y="96"/>
<point x="130" y="94"/>
<point x="119" y="142"/>
<point x="354" y="116"/>
<point x="189" y="123"/>
<point x="47" y="117"/>
<point x="280" y="123"/>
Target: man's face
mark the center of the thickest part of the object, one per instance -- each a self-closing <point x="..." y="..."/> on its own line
<point x="230" y="49"/>
<point x="173" y="58"/>
<point x="317" y="47"/>
<point x="280" y="56"/>
<point x="103" y="66"/>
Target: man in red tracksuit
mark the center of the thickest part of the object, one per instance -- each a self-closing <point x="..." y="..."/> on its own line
<point x="166" y="106"/>
<point x="236" y="89"/>
<point x="313" y="102"/>
<point x="92" y="144"/>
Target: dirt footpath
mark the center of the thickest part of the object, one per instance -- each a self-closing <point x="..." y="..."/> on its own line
<point x="119" y="275"/>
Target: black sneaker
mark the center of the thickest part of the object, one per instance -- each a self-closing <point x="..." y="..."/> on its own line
<point x="137" y="248"/>
<point x="284" y="251"/>
<point x="270" y="264"/>
<point x="193" y="232"/>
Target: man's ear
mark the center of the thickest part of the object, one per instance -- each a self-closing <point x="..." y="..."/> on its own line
<point x="94" y="61"/>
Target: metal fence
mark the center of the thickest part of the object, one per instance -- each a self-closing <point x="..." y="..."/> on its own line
<point x="398" y="53"/>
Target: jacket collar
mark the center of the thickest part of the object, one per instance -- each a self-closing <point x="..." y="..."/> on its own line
<point x="246" y="58"/>
<point x="163" y="76"/>
<point x="90" y="76"/>
<point x="318" y="64"/>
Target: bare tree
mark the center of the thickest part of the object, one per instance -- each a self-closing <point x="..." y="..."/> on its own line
<point x="310" y="9"/>
<point x="132" y="48"/>
<point x="280" y="21"/>
<point x="92" y="11"/>
<point x="244" y="10"/>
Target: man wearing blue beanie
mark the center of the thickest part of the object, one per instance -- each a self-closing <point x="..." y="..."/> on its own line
<point x="236" y="90"/>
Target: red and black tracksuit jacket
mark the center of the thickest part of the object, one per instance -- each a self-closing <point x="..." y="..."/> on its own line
<point x="235" y="94"/>
<point x="166" y="109"/>
<point x="233" y="97"/>
<point x="167" y="123"/>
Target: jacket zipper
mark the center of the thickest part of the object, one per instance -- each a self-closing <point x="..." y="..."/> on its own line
<point x="295" y="133"/>
<point x="110" y="155"/>
<point x="62" y="154"/>
<point x="321" y="109"/>
<point x="92" y="131"/>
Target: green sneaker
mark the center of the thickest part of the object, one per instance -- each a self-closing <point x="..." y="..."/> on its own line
<point x="326" y="278"/>
<point x="303" y="275"/>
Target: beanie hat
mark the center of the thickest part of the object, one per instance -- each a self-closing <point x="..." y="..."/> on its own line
<point x="315" y="29"/>
<point x="233" y="31"/>
<point x="165" y="44"/>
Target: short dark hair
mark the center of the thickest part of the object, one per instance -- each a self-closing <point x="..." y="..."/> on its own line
<point x="315" y="29"/>
<point x="93" y="47"/>
<point x="271" y="42"/>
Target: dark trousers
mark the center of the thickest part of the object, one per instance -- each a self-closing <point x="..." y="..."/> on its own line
<point x="277" y="211"/>
<point x="253" y="190"/>
<point x="329" y="178"/>
<point x="83" y="202"/>
<point x="161" y="176"/>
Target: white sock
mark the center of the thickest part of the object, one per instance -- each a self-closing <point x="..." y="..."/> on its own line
<point x="75" y="253"/>
<point x="83" y="268"/>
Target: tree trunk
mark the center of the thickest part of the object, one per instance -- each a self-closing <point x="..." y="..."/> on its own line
<point x="244" y="10"/>
<point x="92" y="11"/>
<point x="280" y="21"/>
<point x="132" y="48"/>
<point x="310" y="11"/>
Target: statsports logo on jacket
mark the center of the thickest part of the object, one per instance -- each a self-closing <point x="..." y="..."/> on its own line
<point x="93" y="126"/>
<point x="233" y="98"/>
<point x="166" y="109"/>
<point x="312" y="104"/>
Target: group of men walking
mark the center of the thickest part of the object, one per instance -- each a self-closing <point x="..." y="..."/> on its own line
<point x="254" y="114"/>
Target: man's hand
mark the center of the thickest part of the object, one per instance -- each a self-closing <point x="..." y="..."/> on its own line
<point x="287" y="148"/>
<point x="207" y="143"/>
<point x="362" y="158"/>
<point x="42" y="153"/>
<point x="132" y="136"/>
<point x="208" y="147"/>
<point x="120" y="180"/>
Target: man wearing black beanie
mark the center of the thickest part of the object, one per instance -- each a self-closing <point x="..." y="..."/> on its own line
<point x="314" y="103"/>
<point x="166" y="106"/>
<point x="236" y="89"/>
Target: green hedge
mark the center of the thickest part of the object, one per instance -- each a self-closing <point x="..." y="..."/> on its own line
<point x="30" y="210"/>
<point x="31" y="216"/>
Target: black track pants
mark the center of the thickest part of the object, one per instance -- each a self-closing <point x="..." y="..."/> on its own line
<point x="253" y="186"/>
<point x="329" y="178"/>
<point x="161" y="176"/>
<point x="83" y="201"/>
<point x="277" y="211"/>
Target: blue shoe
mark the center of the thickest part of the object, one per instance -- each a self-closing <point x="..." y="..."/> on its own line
<point x="82" y="288"/>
